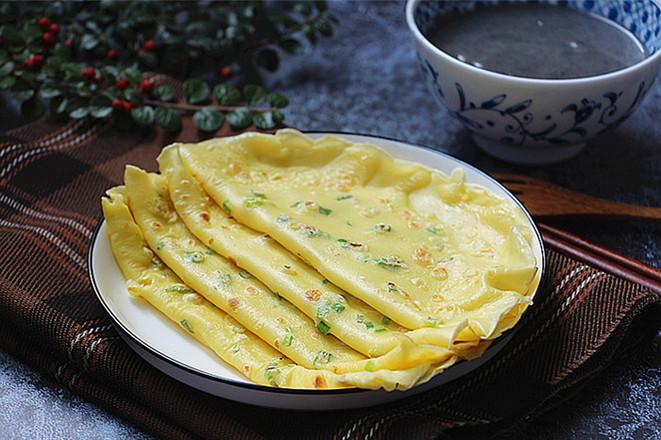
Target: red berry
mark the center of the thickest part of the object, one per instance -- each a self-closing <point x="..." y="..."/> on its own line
<point x="121" y="84"/>
<point x="128" y="106"/>
<point x="118" y="104"/>
<point x="149" y="45"/>
<point x="29" y="63"/>
<point x="68" y="42"/>
<point x="48" y="39"/>
<point x="112" y="54"/>
<point x="54" y="28"/>
<point x="146" y="85"/>
<point x="37" y="59"/>
<point x="43" y="23"/>
<point x="89" y="72"/>
<point x="226" y="72"/>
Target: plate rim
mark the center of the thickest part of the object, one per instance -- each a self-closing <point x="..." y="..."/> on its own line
<point x="495" y="346"/>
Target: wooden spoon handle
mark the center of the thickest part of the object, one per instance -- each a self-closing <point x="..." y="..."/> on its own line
<point x="544" y="199"/>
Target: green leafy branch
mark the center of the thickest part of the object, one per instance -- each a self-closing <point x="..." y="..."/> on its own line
<point x="88" y="59"/>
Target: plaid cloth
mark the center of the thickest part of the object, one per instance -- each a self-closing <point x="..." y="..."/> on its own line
<point x="595" y="306"/>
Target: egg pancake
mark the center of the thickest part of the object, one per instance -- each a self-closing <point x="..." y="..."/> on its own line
<point x="245" y="298"/>
<point x="148" y="278"/>
<point x="350" y="320"/>
<point x="427" y="250"/>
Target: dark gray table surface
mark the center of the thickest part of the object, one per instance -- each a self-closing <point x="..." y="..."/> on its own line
<point x="365" y="80"/>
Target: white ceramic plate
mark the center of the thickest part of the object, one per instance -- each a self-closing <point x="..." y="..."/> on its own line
<point x="172" y="351"/>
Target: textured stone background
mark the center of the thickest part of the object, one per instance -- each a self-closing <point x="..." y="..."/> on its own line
<point x="365" y="80"/>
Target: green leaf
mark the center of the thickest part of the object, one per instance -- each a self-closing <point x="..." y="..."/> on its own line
<point x="31" y="30"/>
<point x="277" y="100"/>
<point x="49" y="92"/>
<point x="12" y="36"/>
<point x="32" y="108"/>
<point x="7" y="82"/>
<point x="226" y="94"/>
<point x="310" y="33"/>
<point x="133" y="95"/>
<point x="264" y="120"/>
<point x="6" y="69"/>
<point x="79" y="113"/>
<point x="208" y="119"/>
<point x="143" y="115"/>
<point x="63" y="106"/>
<point x="240" y="119"/>
<point x="164" y="92"/>
<point x="167" y="118"/>
<point x="23" y="95"/>
<point x="325" y="29"/>
<point x="291" y="46"/>
<point x="196" y="91"/>
<point x="132" y="74"/>
<point x="254" y="94"/>
<point x="268" y="59"/>
<point x="304" y="8"/>
<point x="88" y="42"/>
<point x="148" y="58"/>
<point x="110" y="72"/>
<point x="278" y="117"/>
<point x="100" y="112"/>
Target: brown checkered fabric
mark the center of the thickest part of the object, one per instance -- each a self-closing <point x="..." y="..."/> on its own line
<point x="595" y="306"/>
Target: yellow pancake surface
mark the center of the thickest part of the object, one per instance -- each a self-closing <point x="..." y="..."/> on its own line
<point x="148" y="278"/>
<point x="350" y="320"/>
<point x="425" y="249"/>
<point x="245" y="298"/>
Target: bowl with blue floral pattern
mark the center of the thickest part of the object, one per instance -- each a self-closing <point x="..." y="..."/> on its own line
<point x="537" y="121"/>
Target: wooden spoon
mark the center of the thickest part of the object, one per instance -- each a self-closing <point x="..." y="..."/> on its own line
<point x="544" y="199"/>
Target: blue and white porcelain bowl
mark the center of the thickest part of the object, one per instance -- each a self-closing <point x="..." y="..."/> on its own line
<point x="538" y="121"/>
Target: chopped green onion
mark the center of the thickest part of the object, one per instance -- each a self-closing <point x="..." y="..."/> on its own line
<point x="348" y="196"/>
<point x="385" y="320"/>
<point x="324" y="211"/>
<point x="296" y="205"/>
<point x="178" y="288"/>
<point x="272" y="372"/>
<point x="343" y="242"/>
<point x="186" y="325"/>
<point x="339" y="308"/>
<point x="253" y="203"/>
<point x="380" y="329"/>
<point x="323" y="328"/>
<point x="369" y="366"/>
<point x="324" y="282"/>
<point x="282" y="219"/>
<point x="433" y="230"/>
<point x="322" y="357"/>
<point x="160" y="245"/>
<point x="391" y="263"/>
<point x="430" y="322"/>
<point x="287" y="340"/>
<point x="258" y="194"/>
<point x="245" y="275"/>
<point x="226" y="207"/>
